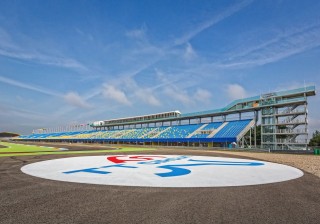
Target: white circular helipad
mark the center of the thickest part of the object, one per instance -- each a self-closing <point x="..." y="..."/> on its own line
<point x="162" y="171"/>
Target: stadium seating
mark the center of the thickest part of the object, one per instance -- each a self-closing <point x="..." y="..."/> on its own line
<point x="181" y="131"/>
<point x="215" y="132"/>
<point x="208" y="127"/>
<point x="232" y="129"/>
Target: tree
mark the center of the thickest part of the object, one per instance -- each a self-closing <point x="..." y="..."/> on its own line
<point x="315" y="140"/>
<point x="8" y="135"/>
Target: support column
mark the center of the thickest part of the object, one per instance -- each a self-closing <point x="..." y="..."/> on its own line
<point x="255" y="128"/>
<point x="250" y="138"/>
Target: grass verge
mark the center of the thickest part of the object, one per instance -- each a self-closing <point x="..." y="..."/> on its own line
<point x="29" y="150"/>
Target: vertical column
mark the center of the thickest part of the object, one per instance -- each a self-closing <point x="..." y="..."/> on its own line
<point x="306" y="120"/>
<point x="255" y="129"/>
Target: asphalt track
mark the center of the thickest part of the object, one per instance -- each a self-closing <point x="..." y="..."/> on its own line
<point x="27" y="199"/>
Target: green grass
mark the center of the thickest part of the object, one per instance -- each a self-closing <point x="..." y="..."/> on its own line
<point x="24" y="148"/>
<point x="30" y="150"/>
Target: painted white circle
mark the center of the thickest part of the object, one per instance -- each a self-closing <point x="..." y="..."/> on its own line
<point x="162" y="171"/>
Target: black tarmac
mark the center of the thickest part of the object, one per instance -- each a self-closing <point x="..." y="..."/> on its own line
<point x="27" y="199"/>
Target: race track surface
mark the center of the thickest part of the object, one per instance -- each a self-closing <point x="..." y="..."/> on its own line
<point x="27" y="199"/>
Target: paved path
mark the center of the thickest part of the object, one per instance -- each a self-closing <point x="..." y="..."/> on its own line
<point x="26" y="199"/>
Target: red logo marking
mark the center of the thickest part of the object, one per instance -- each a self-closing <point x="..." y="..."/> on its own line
<point x="115" y="159"/>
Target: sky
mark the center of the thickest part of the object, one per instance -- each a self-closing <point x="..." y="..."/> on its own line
<point x="69" y="62"/>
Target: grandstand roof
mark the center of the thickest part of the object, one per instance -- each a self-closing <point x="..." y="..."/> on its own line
<point x="143" y="118"/>
<point x="258" y="102"/>
<point x="241" y="105"/>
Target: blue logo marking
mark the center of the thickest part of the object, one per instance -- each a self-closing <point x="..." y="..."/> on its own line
<point x="174" y="170"/>
<point x="97" y="171"/>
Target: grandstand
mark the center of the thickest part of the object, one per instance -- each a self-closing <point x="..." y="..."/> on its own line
<point x="281" y="115"/>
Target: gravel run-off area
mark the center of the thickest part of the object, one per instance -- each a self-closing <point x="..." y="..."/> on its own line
<point x="308" y="163"/>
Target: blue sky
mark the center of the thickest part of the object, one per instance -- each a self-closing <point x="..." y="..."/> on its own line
<point x="68" y="62"/>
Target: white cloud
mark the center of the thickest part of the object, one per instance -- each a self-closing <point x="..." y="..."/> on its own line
<point x="216" y="19"/>
<point x="178" y="95"/>
<point x="43" y="59"/>
<point x="137" y="33"/>
<point x="147" y="96"/>
<point x="202" y="95"/>
<point x="187" y="98"/>
<point x="176" y="89"/>
<point x="74" y="99"/>
<point x="113" y="93"/>
<point x="12" y="113"/>
<point x="28" y="86"/>
<point x="5" y="40"/>
<point x="236" y="91"/>
<point x="189" y="52"/>
<point x="283" y="46"/>
<point x="16" y="50"/>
